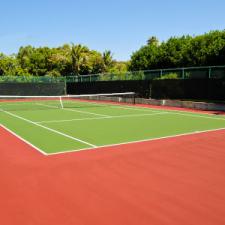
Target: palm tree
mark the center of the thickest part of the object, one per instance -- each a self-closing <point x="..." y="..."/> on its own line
<point x="153" y="41"/>
<point x="78" y="57"/>
<point x="107" y="59"/>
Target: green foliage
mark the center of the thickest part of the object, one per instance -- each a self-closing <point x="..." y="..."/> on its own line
<point x="107" y="61"/>
<point x="31" y="79"/>
<point x="139" y="75"/>
<point x="185" y="51"/>
<point x="145" y="58"/>
<point x="78" y="56"/>
<point x="53" y="73"/>
<point x="9" y="65"/>
<point x="62" y="61"/>
<point x="153" y="41"/>
<point x="92" y="63"/>
<point x="69" y="60"/>
<point x="168" y="76"/>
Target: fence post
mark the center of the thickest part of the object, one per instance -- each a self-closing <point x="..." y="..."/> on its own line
<point x="161" y="73"/>
<point x="65" y="88"/>
<point x="210" y="70"/>
<point x="183" y="74"/>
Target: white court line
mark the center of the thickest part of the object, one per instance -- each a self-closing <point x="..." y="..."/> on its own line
<point x="145" y="109"/>
<point x="111" y="145"/>
<point x="75" y="110"/>
<point x="139" y="141"/>
<point x="148" y="109"/>
<point x="139" y="108"/>
<point x="48" y="106"/>
<point x="133" y="108"/>
<point x="96" y="114"/>
<point x="194" y="115"/>
<point x="176" y="112"/>
<point x="22" y="139"/>
<point x="100" y="118"/>
<point x="69" y="120"/>
<point x="50" y="129"/>
<point x="142" y="108"/>
<point x="22" y="103"/>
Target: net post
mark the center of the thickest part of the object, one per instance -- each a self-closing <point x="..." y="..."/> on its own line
<point x="61" y="103"/>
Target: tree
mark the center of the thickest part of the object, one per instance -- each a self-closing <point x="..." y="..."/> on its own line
<point x="107" y="60"/>
<point x="24" y="56"/>
<point x="93" y="63"/>
<point x="78" y="57"/>
<point x="173" y="52"/>
<point x="9" y="65"/>
<point x="145" y="58"/>
<point x="185" y="51"/>
<point x="153" y="41"/>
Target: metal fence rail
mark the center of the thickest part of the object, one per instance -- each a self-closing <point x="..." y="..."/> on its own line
<point x="207" y="72"/>
<point x="31" y="79"/>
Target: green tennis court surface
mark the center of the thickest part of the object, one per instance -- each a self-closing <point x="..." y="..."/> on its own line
<point x="82" y="124"/>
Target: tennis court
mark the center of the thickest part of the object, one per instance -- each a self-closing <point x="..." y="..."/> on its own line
<point x="55" y="125"/>
<point x="176" y="179"/>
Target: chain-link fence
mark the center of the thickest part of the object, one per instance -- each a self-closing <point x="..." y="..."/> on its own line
<point x="32" y="79"/>
<point x="210" y="72"/>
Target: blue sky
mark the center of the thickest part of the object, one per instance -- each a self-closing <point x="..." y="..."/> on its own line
<point x="121" y="26"/>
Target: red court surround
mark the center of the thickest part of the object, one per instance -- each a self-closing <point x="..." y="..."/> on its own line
<point x="175" y="181"/>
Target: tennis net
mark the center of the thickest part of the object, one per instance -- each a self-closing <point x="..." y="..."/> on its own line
<point x="14" y="103"/>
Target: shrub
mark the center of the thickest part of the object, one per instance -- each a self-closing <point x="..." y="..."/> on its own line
<point x="168" y="76"/>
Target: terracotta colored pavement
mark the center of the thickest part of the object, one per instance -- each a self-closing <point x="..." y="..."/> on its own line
<point x="175" y="181"/>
